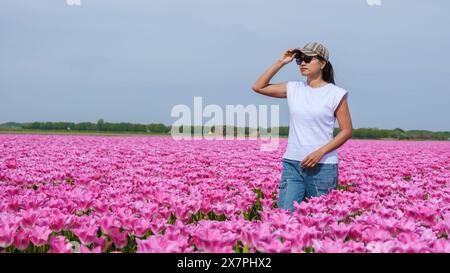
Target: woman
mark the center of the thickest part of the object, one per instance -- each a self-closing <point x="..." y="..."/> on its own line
<point x="310" y="163"/>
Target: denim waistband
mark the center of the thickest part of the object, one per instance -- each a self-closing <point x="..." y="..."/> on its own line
<point x="298" y="161"/>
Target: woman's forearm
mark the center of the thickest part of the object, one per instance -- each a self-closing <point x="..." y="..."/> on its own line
<point x="337" y="141"/>
<point x="265" y="78"/>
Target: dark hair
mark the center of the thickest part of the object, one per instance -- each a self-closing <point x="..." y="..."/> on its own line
<point x="328" y="72"/>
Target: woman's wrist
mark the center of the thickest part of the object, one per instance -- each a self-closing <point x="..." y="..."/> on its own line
<point x="280" y="61"/>
<point x="322" y="151"/>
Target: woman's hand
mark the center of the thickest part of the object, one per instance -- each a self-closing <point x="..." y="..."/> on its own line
<point x="312" y="159"/>
<point x="288" y="55"/>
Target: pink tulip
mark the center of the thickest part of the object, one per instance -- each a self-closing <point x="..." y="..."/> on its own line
<point x="120" y="239"/>
<point x="22" y="239"/>
<point x="157" y="244"/>
<point x="140" y="227"/>
<point x="39" y="235"/>
<point x="11" y="163"/>
<point x="29" y="218"/>
<point x="441" y="246"/>
<point x="375" y="234"/>
<point x="275" y="246"/>
<point x="87" y="234"/>
<point x="329" y="246"/>
<point x="101" y="242"/>
<point x="58" y="223"/>
<point x="339" y="231"/>
<point x="6" y="235"/>
<point x="280" y="220"/>
<point x="59" y="244"/>
<point x="108" y="224"/>
<point x="381" y="247"/>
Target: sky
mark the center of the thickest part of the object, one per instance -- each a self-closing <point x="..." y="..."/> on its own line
<point x="134" y="60"/>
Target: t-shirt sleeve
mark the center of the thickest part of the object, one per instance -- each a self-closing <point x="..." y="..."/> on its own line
<point x="289" y="89"/>
<point x="292" y="89"/>
<point x="340" y="94"/>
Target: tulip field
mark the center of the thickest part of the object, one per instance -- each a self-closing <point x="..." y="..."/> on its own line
<point x="90" y="194"/>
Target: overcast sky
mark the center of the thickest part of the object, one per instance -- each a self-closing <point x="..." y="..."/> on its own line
<point x="133" y="60"/>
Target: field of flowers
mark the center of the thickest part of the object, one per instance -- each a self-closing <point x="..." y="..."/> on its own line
<point x="155" y="194"/>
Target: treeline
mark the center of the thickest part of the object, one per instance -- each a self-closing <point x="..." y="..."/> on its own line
<point x="100" y="126"/>
<point x="159" y="128"/>
<point x="397" y="133"/>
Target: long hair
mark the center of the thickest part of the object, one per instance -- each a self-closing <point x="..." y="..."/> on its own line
<point x="328" y="73"/>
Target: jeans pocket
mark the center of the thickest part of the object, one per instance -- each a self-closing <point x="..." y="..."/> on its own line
<point x="326" y="179"/>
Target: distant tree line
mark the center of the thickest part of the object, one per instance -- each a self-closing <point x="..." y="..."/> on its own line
<point x="159" y="128"/>
<point x="101" y="126"/>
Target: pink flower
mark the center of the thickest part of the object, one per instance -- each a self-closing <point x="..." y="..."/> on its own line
<point x="366" y="202"/>
<point x="108" y="224"/>
<point x="329" y="246"/>
<point x="381" y="247"/>
<point x="6" y="235"/>
<point x="29" y="218"/>
<point x="280" y="220"/>
<point x="306" y="220"/>
<point x="11" y="163"/>
<point x="120" y="239"/>
<point x="428" y="215"/>
<point x="441" y="246"/>
<point x="57" y="222"/>
<point x="407" y="238"/>
<point x="412" y="247"/>
<point x="226" y="242"/>
<point x="340" y="231"/>
<point x="22" y="239"/>
<point x="157" y="244"/>
<point x="267" y="203"/>
<point x="182" y="212"/>
<point x="175" y="231"/>
<point x="375" y="234"/>
<point x="101" y="242"/>
<point x="140" y="227"/>
<point x="275" y="246"/>
<point x="14" y="204"/>
<point x="263" y="233"/>
<point x="208" y="239"/>
<point x="59" y="244"/>
<point x="444" y="225"/>
<point x="299" y="235"/>
<point x="87" y="234"/>
<point x="39" y="235"/>
<point x="101" y="207"/>
<point x="157" y="225"/>
<point x="82" y="180"/>
<point x="356" y="247"/>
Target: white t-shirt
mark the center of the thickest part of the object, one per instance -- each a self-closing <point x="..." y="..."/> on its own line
<point x="312" y="119"/>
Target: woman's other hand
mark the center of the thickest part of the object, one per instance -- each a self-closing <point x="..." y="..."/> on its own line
<point x="288" y="55"/>
<point x="312" y="159"/>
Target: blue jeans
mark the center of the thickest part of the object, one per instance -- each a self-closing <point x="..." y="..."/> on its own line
<point x="298" y="183"/>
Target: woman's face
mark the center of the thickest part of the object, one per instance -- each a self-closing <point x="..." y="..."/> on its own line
<point x="312" y="68"/>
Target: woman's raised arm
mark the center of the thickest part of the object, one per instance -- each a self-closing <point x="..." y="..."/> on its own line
<point x="263" y="85"/>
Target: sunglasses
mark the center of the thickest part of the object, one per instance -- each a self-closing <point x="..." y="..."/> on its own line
<point x="302" y="57"/>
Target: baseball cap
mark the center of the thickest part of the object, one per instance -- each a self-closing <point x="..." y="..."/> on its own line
<point x="314" y="49"/>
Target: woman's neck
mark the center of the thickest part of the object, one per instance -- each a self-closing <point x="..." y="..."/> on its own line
<point x="316" y="82"/>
